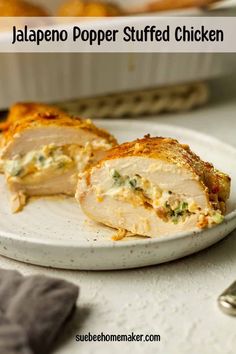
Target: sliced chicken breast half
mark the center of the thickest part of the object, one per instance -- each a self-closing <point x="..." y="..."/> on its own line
<point x="20" y="111"/>
<point x="153" y="187"/>
<point x="44" y="150"/>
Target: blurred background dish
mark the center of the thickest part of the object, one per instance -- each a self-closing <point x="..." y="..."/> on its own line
<point x="21" y="8"/>
<point x="89" y="8"/>
<point x="166" y="5"/>
<point x="113" y="7"/>
<point x="115" y="84"/>
<point x="61" y="77"/>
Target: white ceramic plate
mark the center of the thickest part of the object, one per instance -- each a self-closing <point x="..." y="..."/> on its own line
<point x="54" y="232"/>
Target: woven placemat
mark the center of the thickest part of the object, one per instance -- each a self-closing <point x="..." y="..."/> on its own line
<point x="138" y="103"/>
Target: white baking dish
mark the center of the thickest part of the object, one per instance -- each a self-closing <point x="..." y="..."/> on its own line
<point x="55" y="77"/>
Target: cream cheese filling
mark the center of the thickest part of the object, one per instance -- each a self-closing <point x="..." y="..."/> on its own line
<point x="52" y="157"/>
<point x="169" y="206"/>
<point x="48" y="157"/>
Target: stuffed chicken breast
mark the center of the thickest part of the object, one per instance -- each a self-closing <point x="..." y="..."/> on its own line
<point x="152" y="187"/>
<point x="44" y="149"/>
<point x="20" y="111"/>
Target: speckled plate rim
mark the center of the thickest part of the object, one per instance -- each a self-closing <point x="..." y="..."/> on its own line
<point x="142" y="241"/>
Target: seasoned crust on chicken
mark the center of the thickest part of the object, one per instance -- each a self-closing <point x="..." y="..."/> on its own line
<point x="21" y="8"/>
<point x="44" y="149"/>
<point x="89" y="8"/>
<point x="23" y="110"/>
<point x="154" y="186"/>
<point x="24" y="118"/>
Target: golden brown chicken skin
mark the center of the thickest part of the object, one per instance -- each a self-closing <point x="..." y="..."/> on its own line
<point x="24" y="116"/>
<point x="21" y="8"/>
<point x="23" y="110"/>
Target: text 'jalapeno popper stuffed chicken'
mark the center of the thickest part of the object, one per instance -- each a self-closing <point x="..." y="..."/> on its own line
<point x="44" y="149"/>
<point x="152" y="187"/>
